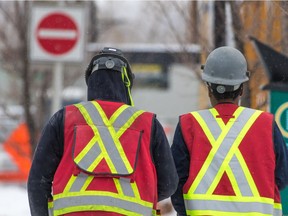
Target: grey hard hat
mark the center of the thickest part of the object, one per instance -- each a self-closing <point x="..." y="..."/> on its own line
<point x="225" y="66"/>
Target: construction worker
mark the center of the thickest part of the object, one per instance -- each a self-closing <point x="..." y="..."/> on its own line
<point x="230" y="160"/>
<point x="103" y="156"/>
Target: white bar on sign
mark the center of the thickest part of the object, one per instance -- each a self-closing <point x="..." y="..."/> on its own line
<point x="57" y="34"/>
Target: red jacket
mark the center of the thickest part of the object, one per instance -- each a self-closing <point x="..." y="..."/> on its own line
<point x="232" y="161"/>
<point x="105" y="161"/>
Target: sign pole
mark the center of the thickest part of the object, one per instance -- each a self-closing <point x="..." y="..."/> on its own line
<point x="57" y="86"/>
<point x="57" y="37"/>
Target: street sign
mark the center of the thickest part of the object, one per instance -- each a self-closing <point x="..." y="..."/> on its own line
<point x="279" y="107"/>
<point x="57" y="34"/>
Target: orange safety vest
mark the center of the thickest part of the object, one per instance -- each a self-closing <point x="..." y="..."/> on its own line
<point x="232" y="162"/>
<point x="106" y="167"/>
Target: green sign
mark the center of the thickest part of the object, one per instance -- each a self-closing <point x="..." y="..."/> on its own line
<point x="279" y="107"/>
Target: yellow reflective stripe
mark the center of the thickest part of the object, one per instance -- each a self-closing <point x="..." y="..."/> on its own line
<point x="241" y="161"/>
<point x="229" y="198"/>
<point x="114" y="136"/>
<point x="247" y="173"/>
<point x="87" y="118"/>
<point x="84" y="113"/>
<point x="89" y="121"/>
<point x="232" y="151"/>
<point x="95" y="162"/>
<point x="80" y="156"/>
<point x="98" y="138"/>
<point x="69" y="184"/>
<point x="72" y="180"/>
<point x="133" y="186"/>
<point x="118" y="186"/>
<point x="233" y="181"/>
<point x="135" y="190"/>
<point x="102" y="114"/>
<point x="154" y="212"/>
<point x="129" y="123"/>
<point x="207" y="162"/>
<point x="87" y="183"/>
<point x="50" y="204"/>
<point x="228" y="170"/>
<point x="215" y="148"/>
<point x="103" y="193"/>
<point x="94" y="208"/>
<point x="117" y="113"/>
<point x="103" y="154"/>
<point x="218" y="120"/>
<point x="278" y="206"/>
<point x="89" y="180"/>
<point x="204" y="127"/>
<point x="220" y="213"/>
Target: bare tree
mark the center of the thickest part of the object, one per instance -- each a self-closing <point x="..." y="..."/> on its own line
<point x="14" y="58"/>
<point x="284" y="9"/>
<point x="238" y="32"/>
<point x="219" y="24"/>
<point x="14" y="52"/>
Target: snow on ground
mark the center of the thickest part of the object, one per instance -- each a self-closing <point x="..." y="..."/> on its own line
<point x="14" y="201"/>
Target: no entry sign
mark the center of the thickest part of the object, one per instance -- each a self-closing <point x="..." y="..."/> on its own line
<point x="57" y="34"/>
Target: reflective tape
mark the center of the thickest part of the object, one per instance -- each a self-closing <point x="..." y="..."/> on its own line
<point x="79" y="182"/>
<point x="90" y="157"/>
<point x="127" y="199"/>
<point x="229" y="134"/>
<point x="100" y="202"/>
<point x="107" y="131"/>
<point x="126" y="187"/>
<point x="106" y="136"/>
<point x="50" y="208"/>
<point x="225" y="156"/>
<point x="238" y="207"/>
<point x="124" y="116"/>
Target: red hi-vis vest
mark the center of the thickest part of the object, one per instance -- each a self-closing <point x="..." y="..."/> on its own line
<point x="232" y="162"/>
<point x="107" y="168"/>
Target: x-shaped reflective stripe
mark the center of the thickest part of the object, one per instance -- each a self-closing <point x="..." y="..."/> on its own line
<point x="121" y="119"/>
<point x="225" y="155"/>
<point x="108" y="131"/>
<point x="124" y="187"/>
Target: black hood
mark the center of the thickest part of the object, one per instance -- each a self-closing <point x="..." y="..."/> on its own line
<point x="107" y="85"/>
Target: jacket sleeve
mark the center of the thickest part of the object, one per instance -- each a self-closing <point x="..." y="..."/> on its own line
<point x="281" y="171"/>
<point x="182" y="161"/>
<point x="45" y="162"/>
<point x="167" y="178"/>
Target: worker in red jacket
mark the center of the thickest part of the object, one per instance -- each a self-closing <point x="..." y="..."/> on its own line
<point x="103" y="156"/>
<point x="231" y="160"/>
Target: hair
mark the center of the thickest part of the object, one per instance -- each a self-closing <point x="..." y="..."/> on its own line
<point x="226" y="95"/>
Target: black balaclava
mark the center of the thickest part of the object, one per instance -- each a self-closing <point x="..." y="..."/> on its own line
<point x="109" y="77"/>
<point x="107" y="85"/>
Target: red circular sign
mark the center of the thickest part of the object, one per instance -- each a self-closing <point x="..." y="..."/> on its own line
<point x="57" y="33"/>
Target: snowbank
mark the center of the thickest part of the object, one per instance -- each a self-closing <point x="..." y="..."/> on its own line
<point x="14" y="200"/>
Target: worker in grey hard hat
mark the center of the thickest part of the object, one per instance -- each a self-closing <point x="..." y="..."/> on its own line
<point x="227" y="152"/>
<point x="225" y="71"/>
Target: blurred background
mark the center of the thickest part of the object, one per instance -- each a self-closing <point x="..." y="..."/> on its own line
<point x="45" y="47"/>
